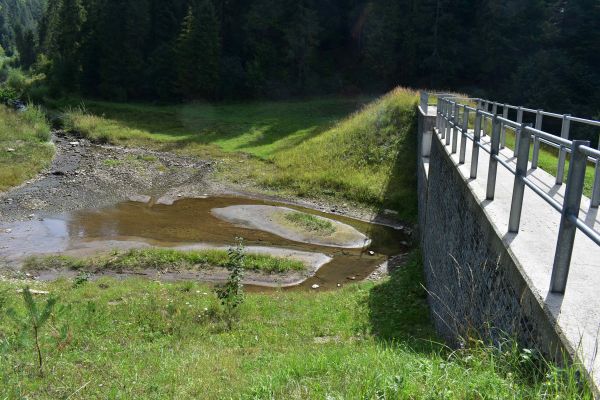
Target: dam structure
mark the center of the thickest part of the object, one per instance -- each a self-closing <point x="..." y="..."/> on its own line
<point x="509" y="226"/>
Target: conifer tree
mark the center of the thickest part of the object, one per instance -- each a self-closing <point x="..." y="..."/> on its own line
<point x="198" y="52"/>
<point x="64" y="41"/>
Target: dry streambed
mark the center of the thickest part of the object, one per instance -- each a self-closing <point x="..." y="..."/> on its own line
<point x="195" y="223"/>
<point x="94" y="199"/>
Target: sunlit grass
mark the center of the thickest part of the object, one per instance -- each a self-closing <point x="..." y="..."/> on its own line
<point x="24" y="145"/>
<point x="330" y="148"/>
<point x="145" y="339"/>
<point x="310" y="223"/>
<point x="161" y="259"/>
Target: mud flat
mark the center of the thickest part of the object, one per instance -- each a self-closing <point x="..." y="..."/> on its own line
<point x="272" y="219"/>
<point x="188" y="223"/>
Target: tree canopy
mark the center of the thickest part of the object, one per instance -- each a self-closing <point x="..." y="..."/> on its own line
<point x="543" y="53"/>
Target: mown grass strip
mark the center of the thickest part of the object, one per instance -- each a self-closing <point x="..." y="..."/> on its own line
<point x="160" y="259"/>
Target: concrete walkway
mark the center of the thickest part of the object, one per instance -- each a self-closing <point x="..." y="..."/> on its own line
<point x="577" y="313"/>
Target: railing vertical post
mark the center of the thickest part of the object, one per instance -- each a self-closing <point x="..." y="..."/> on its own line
<point x="570" y="213"/>
<point x="518" y="130"/>
<point x="437" y="114"/>
<point x="455" y="130"/>
<point x="562" y="153"/>
<point x="463" y="139"/>
<point x="503" y="130"/>
<point x="536" y="140"/>
<point x="440" y="112"/>
<point x="519" y="186"/>
<point x="424" y="102"/>
<point x="596" y="188"/>
<point x="483" y="125"/>
<point x="453" y="118"/>
<point x="476" y="140"/>
<point x="494" y="108"/>
<point x="493" y="168"/>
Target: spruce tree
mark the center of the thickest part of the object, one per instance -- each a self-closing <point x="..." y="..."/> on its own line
<point x="198" y="52"/>
<point x="64" y="41"/>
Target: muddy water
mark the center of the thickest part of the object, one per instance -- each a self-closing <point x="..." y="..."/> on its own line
<point x="190" y="221"/>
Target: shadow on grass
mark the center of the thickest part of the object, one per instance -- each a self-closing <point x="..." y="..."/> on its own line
<point x="398" y="309"/>
<point x="234" y="127"/>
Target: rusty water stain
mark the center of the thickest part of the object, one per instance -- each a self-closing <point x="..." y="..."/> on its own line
<point x="190" y="221"/>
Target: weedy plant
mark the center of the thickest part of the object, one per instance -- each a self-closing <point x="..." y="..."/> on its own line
<point x="231" y="293"/>
<point x="81" y="279"/>
<point x="34" y="320"/>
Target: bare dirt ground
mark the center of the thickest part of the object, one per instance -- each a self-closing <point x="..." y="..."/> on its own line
<point x="85" y="175"/>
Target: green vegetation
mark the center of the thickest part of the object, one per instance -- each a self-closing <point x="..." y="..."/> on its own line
<point x="303" y="148"/>
<point x="370" y="158"/>
<point x="160" y="259"/>
<point x="310" y="223"/>
<point x="24" y="145"/>
<point x="33" y="321"/>
<point x="141" y="339"/>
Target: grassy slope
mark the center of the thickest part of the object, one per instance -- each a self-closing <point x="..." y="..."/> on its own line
<point x="141" y="339"/>
<point x="314" y="148"/>
<point x="28" y="134"/>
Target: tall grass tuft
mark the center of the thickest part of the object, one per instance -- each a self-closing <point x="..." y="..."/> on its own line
<point x="24" y="145"/>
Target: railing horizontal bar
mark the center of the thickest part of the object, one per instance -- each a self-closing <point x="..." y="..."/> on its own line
<point x="583" y="120"/>
<point x="549" y="137"/>
<point x="506" y="165"/>
<point x="555" y="204"/>
<point x="589" y="232"/>
<point x="550" y="114"/>
<point x="509" y="122"/>
<point x="549" y="143"/>
<point x="590" y="152"/>
<point x="531" y="110"/>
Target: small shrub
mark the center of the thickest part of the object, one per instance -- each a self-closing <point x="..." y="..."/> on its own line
<point x="7" y="94"/>
<point x="17" y="81"/>
<point x="34" y="321"/>
<point x="231" y="293"/>
<point x="81" y="279"/>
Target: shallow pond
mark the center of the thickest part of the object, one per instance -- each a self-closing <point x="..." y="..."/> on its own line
<point x="189" y="221"/>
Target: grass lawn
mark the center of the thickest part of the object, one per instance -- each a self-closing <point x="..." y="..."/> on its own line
<point x="145" y="339"/>
<point x="340" y="148"/>
<point x="160" y="259"/>
<point x="24" y="145"/>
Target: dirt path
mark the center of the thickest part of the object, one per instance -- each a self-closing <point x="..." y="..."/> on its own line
<point x="86" y="175"/>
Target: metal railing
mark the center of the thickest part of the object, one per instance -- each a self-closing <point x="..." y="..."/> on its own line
<point x="452" y="121"/>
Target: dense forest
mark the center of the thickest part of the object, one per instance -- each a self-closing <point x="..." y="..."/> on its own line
<point x="18" y="21"/>
<point x="544" y="53"/>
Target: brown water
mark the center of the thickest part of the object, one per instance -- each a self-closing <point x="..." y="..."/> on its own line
<point x="190" y="221"/>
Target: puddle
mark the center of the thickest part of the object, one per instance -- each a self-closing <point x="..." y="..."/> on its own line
<point x="189" y="221"/>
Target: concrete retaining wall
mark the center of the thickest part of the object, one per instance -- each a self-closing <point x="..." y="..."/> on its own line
<point x="475" y="286"/>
